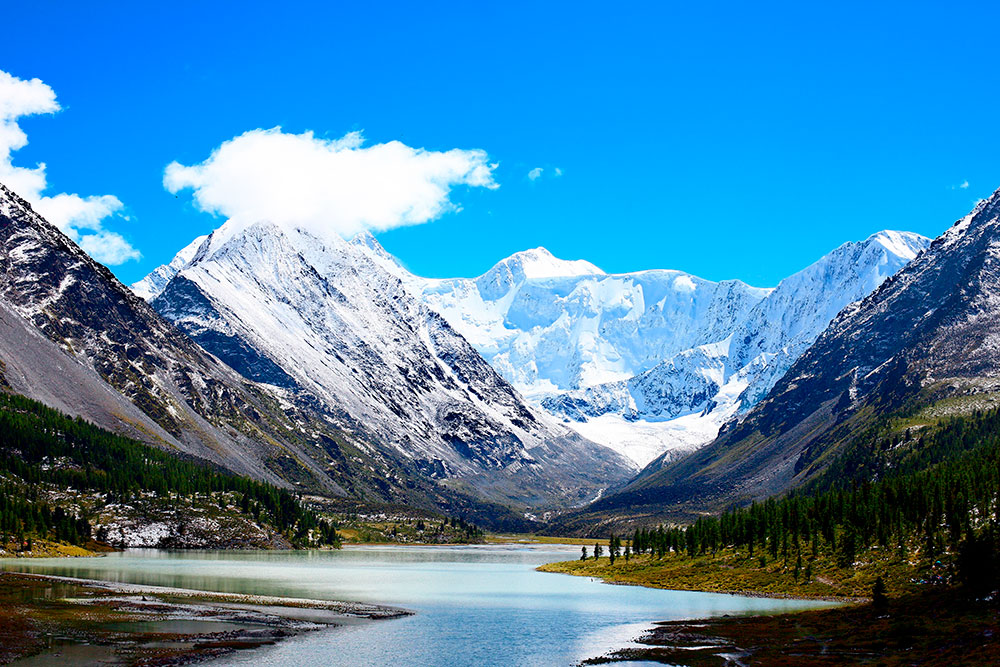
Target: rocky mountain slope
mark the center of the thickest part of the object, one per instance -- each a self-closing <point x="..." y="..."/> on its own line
<point x="651" y="361"/>
<point x="321" y="320"/>
<point x="151" y="286"/>
<point x="73" y="337"/>
<point x="77" y="304"/>
<point x="928" y="336"/>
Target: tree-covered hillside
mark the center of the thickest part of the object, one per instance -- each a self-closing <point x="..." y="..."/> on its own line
<point x="58" y="475"/>
<point x="912" y="507"/>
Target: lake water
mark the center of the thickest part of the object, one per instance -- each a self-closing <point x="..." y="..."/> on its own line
<point x="474" y="605"/>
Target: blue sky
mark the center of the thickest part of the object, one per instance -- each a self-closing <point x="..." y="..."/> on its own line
<point x="727" y="140"/>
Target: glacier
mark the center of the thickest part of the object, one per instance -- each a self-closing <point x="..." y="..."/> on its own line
<point x="645" y="363"/>
<point x="323" y="321"/>
<point x="655" y="361"/>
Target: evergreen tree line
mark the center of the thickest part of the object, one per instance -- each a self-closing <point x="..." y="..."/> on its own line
<point x="940" y="490"/>
<point x="41" y="445"/>
<point x="23" y="516"/>
<point x="471" y="530"/>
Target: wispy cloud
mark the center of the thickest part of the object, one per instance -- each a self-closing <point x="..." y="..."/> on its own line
<point x="335" y="186"/>
<point x="964" y="185"/>
<point x="81" y="218"/>
<point x="538" y="172"/>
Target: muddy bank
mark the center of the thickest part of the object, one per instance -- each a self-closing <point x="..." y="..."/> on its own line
<point x="47" y="620"/>
<point x="936" y="627"/>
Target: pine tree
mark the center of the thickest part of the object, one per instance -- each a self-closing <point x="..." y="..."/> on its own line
<point x="880" y="601"/>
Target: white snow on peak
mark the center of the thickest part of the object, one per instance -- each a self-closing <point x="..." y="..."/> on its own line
<point x="152" y="285"/>
<point x="323" y="316"/>
<point x="379" y="254"/>
<point x="539" y="263"/>
<point x="661" y="354"/>
<point x="905" y="245"/>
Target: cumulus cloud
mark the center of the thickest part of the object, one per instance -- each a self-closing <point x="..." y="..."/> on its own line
<point x="337" y="186"/>
<point x="81" y="218"/>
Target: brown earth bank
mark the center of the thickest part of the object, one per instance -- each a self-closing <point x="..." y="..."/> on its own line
<point x="76" y="621"/>
<point x="934" y="627"/>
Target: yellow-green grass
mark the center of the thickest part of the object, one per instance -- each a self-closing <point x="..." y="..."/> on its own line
<point x="42" y="548"/>
<point x="729" y="571"/>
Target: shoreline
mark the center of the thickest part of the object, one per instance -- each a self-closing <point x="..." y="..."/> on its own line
<point x="940" y="622"/>
<point x="941" y="625"/>
<point x="95" y="620"/>
<point x="771" y="595"/>
<point x="339" y="608"/>
<point x="550" y="568"/>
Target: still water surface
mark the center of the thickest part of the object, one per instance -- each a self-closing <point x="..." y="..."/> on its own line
<point x="475" y="605"/>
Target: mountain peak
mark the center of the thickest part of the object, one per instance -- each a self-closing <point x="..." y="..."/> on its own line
<point x="367" y="240"/>
<point x="925" y="335"/>
<point x="535" y="264"/>
<point x="905" y="245"/>
<point x="150" y="287"/>
<point x="539" y="263"/>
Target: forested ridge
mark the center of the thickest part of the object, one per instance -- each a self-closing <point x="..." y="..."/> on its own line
<point x="940" y="487"/>
<point x="922" y="502"/>
<point x="41" y="447"/>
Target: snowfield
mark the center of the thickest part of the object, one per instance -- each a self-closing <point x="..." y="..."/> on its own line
<point x="643" y="363"/>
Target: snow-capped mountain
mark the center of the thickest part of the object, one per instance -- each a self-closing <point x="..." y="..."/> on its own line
<point x="656" y="360"/>
<point x="707" y="385"/>
<point x="324" y="320"/>
<point x="925" y="341"/>
<point x="557" y="333"/>
<point x="150" y="287"/>
<point x="77" y="339"/>
<point x="644" y="363"/>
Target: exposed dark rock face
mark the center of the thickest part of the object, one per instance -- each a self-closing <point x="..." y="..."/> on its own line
<point x="80" y="306"/>
<point x="929" y="332"/>
<point x="323" y="319"/>
<point x="183" y="298"/>
<point x="75" y="338"/>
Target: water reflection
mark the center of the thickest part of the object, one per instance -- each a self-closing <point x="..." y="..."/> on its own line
<point x="475" y="605"/>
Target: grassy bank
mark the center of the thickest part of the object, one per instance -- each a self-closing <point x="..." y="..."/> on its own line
<point x="43" y="548"/>
<point x="928" y="619"/>
<point x="730" y="571"/>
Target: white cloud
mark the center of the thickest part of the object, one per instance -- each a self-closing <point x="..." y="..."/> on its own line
<point x="538" y="172"/>
<point x="81" y="218"/>
<point x="328" y="186"/>
<point x="964" y="185"/>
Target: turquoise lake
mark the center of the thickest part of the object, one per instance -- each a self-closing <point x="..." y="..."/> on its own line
<point x="474" y="605"/>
